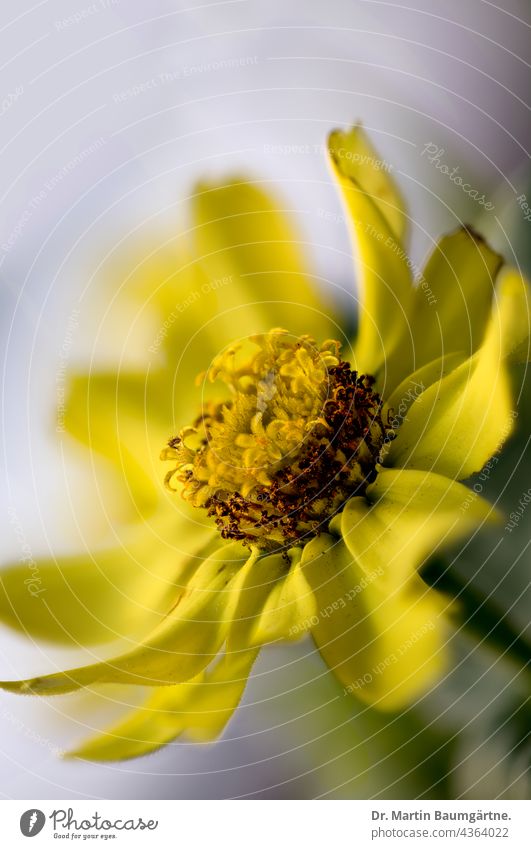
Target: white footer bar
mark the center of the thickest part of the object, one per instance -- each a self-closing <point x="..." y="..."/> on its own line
<point x="266" y="824"/>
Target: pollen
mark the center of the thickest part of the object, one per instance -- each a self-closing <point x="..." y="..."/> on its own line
<point x="299" y="432"/>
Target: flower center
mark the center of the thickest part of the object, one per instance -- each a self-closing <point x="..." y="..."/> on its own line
<point x="299" y="435"/>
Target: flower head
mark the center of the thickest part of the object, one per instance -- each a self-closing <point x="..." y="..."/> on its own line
<point x="316" y="478"/>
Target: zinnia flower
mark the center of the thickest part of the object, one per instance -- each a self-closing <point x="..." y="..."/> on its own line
<point x="308" y="476"/>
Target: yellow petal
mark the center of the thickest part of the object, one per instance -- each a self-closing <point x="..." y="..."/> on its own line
<point x="377" y="219"/>
<point x="275" y="602"/>
<point x="200" y="708"/>
<point x="397" y="404"/>
<point x="105" y="595"/>
<point x="404" y="518"/>
<point x="243" y="236"/>
<point x="514" y="317"/>
<point x="127" y="418"/>
<point x="459" y="276"/>
<point x="384" y="644"/>
<point x="169" y="286"/>
<point x="357" y="159"/>
<point x="177" y="650"/>
<point x="462" y="420"/>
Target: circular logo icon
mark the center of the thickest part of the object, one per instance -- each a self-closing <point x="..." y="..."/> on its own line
<point x="31" y="822"/>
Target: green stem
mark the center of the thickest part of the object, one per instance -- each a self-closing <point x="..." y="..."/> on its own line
<point x="479" y="616"/>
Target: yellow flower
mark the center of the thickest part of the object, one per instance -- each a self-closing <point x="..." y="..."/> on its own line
<point x="317" y="473"/>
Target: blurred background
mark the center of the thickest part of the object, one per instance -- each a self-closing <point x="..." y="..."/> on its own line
<point x="110" y="111"/>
